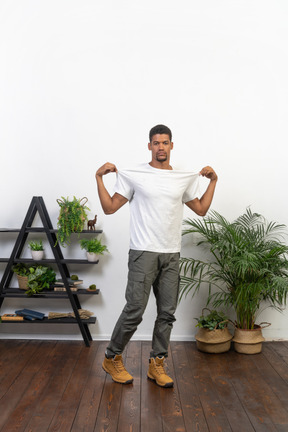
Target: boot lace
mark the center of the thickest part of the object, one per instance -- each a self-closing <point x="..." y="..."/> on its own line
<point x="119" y="365"/>
<point x="160" y="369"/>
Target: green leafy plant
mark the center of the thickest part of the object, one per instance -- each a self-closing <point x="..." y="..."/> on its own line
<point x="72" y="217"/>
<point x="214" y="320"/>
<point x="20" y="269"/>
<point x="36" y="246"/>
<point x="93" y="246"/>
<point x="39" y="277"/>
<point x="248" y="265"/>
<point x="92" y="287"/>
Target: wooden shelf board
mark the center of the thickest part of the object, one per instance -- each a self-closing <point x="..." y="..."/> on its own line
<point x="42" y="229"/>
<point x="9" y="230"/>
<point x="66" y="320"/>
<point x="16" y="292"/>
<point x="53" y="260"/>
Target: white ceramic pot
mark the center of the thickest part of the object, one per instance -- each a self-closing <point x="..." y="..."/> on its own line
<point x="92" y="256"/>
<point x="37" y="255"/>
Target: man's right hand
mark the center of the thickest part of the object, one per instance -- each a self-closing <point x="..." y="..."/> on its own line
<point x="109" y="204"/>
<point x="106" y="169"/>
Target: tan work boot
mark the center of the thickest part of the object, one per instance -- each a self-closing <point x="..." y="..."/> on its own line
<point x="115" y="367"/>
<point x="157" y="372"/>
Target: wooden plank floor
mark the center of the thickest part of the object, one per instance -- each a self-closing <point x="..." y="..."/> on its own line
<point x="60" y="386"/>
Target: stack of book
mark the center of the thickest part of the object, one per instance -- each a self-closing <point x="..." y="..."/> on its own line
<point x="23" y="314"/>
<point x="73" y="284"/>
<point x="12" y="317"/>
<point x="29" y="314"/>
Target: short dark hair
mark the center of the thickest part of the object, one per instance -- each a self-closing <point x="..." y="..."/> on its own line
<point x="160" y="129"/>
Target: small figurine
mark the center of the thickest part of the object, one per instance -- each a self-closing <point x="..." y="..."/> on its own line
<point x="91" y="223"/>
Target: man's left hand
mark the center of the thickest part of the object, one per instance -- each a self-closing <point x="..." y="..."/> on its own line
<point x="209" y="173"/>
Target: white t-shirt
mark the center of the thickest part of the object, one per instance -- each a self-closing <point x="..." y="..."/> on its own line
<point x="156" y="198"/>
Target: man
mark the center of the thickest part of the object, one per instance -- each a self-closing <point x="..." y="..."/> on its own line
<point x="156" y="194"/>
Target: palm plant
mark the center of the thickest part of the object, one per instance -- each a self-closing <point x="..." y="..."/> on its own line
<point x="248" y="264"/>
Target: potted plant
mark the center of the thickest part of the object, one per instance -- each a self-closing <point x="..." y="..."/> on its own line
<point x="37" y="250"/>
<point x="248" y="268"/>
<point x="22" y="273"/>
<point x="93" y="247"/>
<point x="37" y="277"/>
<point x="213" y="335"/>
<point x="72" y="217"/>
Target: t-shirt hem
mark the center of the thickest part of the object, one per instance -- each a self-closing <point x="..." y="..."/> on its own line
<point x="156" y="250"/>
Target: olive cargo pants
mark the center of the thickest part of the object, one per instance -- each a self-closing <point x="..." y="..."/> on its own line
<point x="146" y="270"/>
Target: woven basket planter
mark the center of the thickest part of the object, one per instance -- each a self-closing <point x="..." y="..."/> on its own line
<point x="23" y="282"/>
<point x="249" y="341"/>
<point x="213" y="341"/>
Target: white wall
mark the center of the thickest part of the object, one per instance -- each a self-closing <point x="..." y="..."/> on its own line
<point x="82" y="82"/>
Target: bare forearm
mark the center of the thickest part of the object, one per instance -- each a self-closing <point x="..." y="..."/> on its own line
<point x="202" y="205"/>
<point x="207" y="197"/>
<point x="109" y="204"/>
<point x="104" y="196"/>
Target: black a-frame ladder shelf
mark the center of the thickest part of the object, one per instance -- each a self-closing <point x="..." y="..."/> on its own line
<point x="38" y="205"/>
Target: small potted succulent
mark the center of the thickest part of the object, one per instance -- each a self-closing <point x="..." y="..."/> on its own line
<point x="93" y="247"/>
<point x="37" y="250"/>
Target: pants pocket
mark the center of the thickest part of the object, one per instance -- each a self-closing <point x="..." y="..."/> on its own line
<point x="135" y="291"/>
<point x="135" y="254"/>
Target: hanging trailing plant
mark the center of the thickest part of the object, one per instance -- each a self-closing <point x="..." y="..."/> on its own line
<point x="71" y="218"/>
